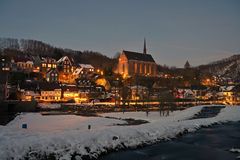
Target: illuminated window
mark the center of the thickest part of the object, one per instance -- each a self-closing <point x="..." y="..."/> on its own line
<point x="135" y="67"/>
<point x="49" y="65"/>
<point x="150" y="69"/>
<point x="140" y="67"/>
<point x="44" y="65"/>
<point x="145" y="68"/>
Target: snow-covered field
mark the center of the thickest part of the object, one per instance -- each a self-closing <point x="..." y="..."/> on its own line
<point x="67" y="135"/>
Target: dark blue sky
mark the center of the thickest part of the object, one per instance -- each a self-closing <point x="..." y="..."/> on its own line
<point x="200" y="31"/>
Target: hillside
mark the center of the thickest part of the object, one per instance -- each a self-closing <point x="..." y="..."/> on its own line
<point x="12" y="46"/>
<point x="228" y="67"/>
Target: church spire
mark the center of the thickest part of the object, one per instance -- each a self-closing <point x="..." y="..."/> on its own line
<point x="144" y="47"/>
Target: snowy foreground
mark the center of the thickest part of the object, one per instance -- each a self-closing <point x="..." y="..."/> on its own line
<point x="68" y="136"/>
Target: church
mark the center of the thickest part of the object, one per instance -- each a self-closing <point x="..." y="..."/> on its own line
<point x="136" y="64"/>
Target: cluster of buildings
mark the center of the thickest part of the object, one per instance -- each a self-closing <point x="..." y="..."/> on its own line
<point x="64" y="80"/>
<point x="45" y="78"/>
<point x="229" y="94"/>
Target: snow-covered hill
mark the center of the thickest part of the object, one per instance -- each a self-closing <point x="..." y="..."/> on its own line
<point x="228" y="67"/>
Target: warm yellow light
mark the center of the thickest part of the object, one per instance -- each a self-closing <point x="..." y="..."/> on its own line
<point x="124" y="76"/>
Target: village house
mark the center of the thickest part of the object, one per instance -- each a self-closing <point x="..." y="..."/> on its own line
<point x="48" y="63"/>
<point x="138" y="92"/>
<point x="231" y="94"/>
<point x="83" y="70"/>
<point x="50" y="92"/>
<point x="24" y="64"/>
<point x="36" y="64"/>
<point x="5" y="63"/>
<point x="70" y="92"/>
<point x="52" y="75"/>
<point x="66" y="67"/>
<point x="28" y="91"/>
<point x="184" y="93"/>
<point x="199" y="91"/>
<point x="65" y="64"/>
<point x="86" y="69"/>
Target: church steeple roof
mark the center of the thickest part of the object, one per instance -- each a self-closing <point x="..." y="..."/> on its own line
<point x="144" y="47"/>
<point x="187" y="65"/>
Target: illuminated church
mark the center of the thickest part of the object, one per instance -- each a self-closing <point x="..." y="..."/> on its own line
<point x="133" y="63"/>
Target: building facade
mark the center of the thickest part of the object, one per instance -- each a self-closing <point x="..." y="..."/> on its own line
<point x="133" y="63"/>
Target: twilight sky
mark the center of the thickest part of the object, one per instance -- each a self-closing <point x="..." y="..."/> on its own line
<point x="200" y="31"/>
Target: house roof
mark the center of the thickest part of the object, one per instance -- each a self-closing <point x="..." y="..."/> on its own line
<point x="48" y="59"/>
<point x="30" y="86"/>
<point x="45" y="86"/>
<point x="77" y="71"/>
<point x="88" y="66"/>
<point x="138" y="56"/>
<point x="71" y="88"/>
<point x="64" y="58"/>
<point x="22" y="59"/>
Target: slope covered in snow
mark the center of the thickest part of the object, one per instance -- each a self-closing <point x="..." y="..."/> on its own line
<point x="228" y="67"/>
<point x="67" y="136"/>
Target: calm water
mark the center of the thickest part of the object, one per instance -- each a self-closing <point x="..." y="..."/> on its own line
<point x="206" y="144"/>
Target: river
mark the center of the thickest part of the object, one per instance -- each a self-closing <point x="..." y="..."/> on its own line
<point x="211" y="143"/>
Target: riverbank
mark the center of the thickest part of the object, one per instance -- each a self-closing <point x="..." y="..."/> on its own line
<point x="215" y="142"/>
<point x="69" y="137"/>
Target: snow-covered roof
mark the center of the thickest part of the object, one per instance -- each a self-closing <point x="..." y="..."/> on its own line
<point x="63" y="59"/>
<point x="88" y="66"/>
<point x="48" y="59"/>
<point x="139" y="87"/>
<point x="226" y="88"/>
<point x="77" y="71"/>
<point x="188" y="91"/>
<point x="32" y="93"/>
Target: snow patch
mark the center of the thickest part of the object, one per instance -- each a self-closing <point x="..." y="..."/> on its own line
<point x="65" y="136"/>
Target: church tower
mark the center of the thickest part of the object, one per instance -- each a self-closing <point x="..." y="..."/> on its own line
<point x="144" y="47"/>
<point x="187" y="65"/>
